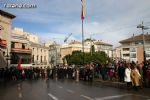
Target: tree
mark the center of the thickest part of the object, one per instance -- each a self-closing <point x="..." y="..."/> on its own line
<point x="77" y="57"/>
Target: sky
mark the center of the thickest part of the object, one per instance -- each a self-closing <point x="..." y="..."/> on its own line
<point x="106" y="20"/>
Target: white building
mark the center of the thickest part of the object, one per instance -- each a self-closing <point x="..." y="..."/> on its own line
<point x="20" y="49"/>
<point x="31" y="37"/>
<point x="102" y="46"/>
<point x="40" y="51"/>
<point x="40" y="55"/>
<point x="55" y="54"/>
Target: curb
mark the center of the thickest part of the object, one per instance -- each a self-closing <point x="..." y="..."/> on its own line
<point x="111" y="83"/>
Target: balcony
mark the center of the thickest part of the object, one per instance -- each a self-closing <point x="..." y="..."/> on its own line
<point x="3" y="42"/>
<point x="20" y="50"/>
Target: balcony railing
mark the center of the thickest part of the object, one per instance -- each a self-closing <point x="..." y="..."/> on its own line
<point x="3" y="42"/>
<point x="21" y="50"/>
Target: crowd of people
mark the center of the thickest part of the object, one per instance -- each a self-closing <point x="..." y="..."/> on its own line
<point x="134" y="74"/>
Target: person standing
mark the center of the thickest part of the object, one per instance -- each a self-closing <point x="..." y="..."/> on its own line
<point x="127" y="77"/>
<point x="148" y="77"/>
<point x="135" y="77"/>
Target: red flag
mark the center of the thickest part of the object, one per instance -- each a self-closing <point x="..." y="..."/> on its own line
<point x="19" y="63"/>
<point x="82" y="11"/>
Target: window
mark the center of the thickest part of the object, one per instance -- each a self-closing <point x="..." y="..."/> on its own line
<point x="41" y="59"/>
<point x="23" y="46"/>
<point x="139" y="42"/>
<point x="132" y="50"/>
<point x="126" y="55"/>
<point x="44" y="58"/>
<point x="147" y="54"/>
<point x="33" y="58"/>
<point x="4" y="53"/>
<point x="147" y="49"/>
<point x="133" y="55"/>
<point x="12" y="45"/>
<point x="37" y="57"/>
<point x="125" y="49"/>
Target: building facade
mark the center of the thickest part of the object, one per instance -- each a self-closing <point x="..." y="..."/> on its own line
<point x="20" y="49"/>
<point x="40" y="55"/>
<point x="40" y="52"/>
<point x="5" y="33"/>
<point x="132" y="49"/>
<point x="31" y="37"/>
<point x="102" y="46"/>
<point x="55" y="54"/>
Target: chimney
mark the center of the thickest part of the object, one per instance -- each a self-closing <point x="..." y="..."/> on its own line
<point x="133" y="35"/>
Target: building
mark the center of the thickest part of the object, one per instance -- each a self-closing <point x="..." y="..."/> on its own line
<point x="31" y="37"/>
<point x="5" y="33"/>
<point x="20" y="49"/>
<point x="40" y="55"/>
<point x="68" y="48"/>
<point x="55" y="54"/>
<point x="132" y="48"/>
<point x="40" y="51"/>
<point x="102" y="46"/>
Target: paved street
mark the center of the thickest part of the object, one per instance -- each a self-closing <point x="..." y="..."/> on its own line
<point x="66" y="90"/>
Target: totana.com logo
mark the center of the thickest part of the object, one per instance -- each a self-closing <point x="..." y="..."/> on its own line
<point x="19" y="5"/>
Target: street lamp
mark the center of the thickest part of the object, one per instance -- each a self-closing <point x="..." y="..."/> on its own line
<point x="55" y="47"/>
<point x="143" y="28"/>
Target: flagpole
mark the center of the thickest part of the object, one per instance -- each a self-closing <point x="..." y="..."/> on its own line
<point x="83" y="40"/>
<point x="82" y="18"/>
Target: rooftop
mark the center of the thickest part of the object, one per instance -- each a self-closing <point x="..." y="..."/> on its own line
<point x="101" y="43"/>
<point x="39" y="45"/>
<point x="74" y="42"/>
<point x="89" y="39"/>
<point x="9" y="15"/>
<point x="136" y="38"/>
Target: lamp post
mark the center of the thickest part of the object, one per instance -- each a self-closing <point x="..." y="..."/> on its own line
<point x="143" y="28"/>
<point x="55" y="47"/>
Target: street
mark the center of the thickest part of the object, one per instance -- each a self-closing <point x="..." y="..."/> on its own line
<point x="42" y="89"/>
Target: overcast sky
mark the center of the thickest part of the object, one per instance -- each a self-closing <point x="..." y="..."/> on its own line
<point x="107" y="20"/>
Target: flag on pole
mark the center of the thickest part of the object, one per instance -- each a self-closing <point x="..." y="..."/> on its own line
<point x="19" y="63"/>
<point x="82" y="11"/>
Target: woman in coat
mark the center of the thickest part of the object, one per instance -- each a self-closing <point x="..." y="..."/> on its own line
<point x="135" y="77"/>
<point x="127" y="77"/>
